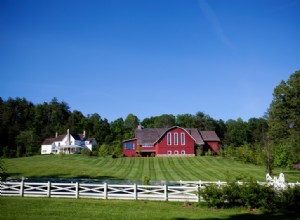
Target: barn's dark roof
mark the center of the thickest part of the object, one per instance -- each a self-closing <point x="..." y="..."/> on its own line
<point x="196" y="135"/>
<point x="209" y="136"/>
<point x="148" y="136"/>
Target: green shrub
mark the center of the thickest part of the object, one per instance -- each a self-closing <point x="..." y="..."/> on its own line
<point x="213" y="195"/>
<point x="232" y="194"/>
<point x="146" y="180"/>
<point x="86" y="152"/>
<point x="95" y="153"/>
<point x="221" y="153"/>
<point x="268" y="199"/>
<point x="289" y="199"/>
<point x="209" y="152"/>
<point x="3" y="171"/>
<point x="103" y="150"/>
<point x="252" y="195"/>
<point x="199" y="151"/>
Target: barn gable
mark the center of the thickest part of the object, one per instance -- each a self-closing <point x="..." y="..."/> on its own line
<point x="169" y="141"/>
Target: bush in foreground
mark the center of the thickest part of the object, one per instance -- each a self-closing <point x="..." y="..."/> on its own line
<point x="253" y="196"/>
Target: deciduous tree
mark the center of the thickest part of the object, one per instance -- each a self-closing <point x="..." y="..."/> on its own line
<point x="284" y="113"/>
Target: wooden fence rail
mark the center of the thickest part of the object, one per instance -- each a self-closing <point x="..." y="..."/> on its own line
<point x="100" y="191"/>
<point x="187" y="191"/>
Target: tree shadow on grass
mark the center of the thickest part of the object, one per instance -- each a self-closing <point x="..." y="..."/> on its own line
<point x="13" y="174"/>
<point x="62" y="177"/>
<point x="248" y="216"/>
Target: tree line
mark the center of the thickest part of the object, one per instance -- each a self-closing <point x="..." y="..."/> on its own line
<point x="24" y="125"/>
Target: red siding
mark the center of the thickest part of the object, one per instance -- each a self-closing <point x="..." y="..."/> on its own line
<point x="162" y="146"/>
<point x="214" y="145"/>
<point x="130" y="153"/>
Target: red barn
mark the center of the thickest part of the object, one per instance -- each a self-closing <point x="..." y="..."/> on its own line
<point x="174" y="141"/>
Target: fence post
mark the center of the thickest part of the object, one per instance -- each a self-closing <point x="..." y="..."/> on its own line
<point x="77" y="190"/>
<point x="105" y="190"/>
<point x="198" y="192"/>
<point x="135" y="195"/>
<point x="166" y="192"/>
<point x="22" y="188"/>
<point x="49" y="189"/>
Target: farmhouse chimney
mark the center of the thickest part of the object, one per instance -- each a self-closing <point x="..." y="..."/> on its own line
<point x="68" y="137"/>
<point x="140" y="127"/>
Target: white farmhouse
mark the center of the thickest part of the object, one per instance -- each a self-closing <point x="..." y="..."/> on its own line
<point x="67" y="143"/>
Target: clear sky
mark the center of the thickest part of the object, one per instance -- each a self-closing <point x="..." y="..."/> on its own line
<point x="149" y="57"/>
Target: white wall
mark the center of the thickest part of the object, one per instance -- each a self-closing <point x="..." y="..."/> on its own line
<point x="46" y="149"/>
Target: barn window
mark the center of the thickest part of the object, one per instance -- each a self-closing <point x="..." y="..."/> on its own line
<point x="182" y="138"/>
<point x="183" y="152"/>
<point x="169" y="136"/>
<point x="169" y="152"/>
<point x="176" y="152"/>
<point x="129" y="146"/>
<point x="176" y="138"/>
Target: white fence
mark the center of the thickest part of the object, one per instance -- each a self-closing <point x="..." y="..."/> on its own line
<point x="187" y="191"/>
<point x="101" y="191"/>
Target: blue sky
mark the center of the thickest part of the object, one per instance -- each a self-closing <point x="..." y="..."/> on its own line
<point x="150" y="57"/>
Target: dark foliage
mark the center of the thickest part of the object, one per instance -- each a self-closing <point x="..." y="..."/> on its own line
<point x="253" y="196"/>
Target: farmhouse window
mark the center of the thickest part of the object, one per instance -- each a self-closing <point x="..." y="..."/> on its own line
<point x="182" y="138"/>
<point x="129" y="146"/>
<point x="169" y="136"/>
<point x="176" y="138"/>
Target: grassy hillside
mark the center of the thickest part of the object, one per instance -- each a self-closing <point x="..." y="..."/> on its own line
<point x="169" y="168"/>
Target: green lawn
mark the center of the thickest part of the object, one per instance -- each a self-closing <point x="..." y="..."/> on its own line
<point x="171" y="168"/>
<point x="15" y="208"/>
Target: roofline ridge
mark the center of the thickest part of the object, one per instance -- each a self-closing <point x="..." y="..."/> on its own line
<point x="176" y="126"/>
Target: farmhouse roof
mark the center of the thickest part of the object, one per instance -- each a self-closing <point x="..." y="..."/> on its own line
<point x="81" y="137"/>
<point x="209" y="136"/>
<point x="49" y="141"/>
<point x="78" y="136"/>
<point x="90" y="140"/>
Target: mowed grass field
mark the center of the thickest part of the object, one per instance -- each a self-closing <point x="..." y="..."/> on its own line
<point x="14" y="208"/>
<point x="168" y="168"/>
